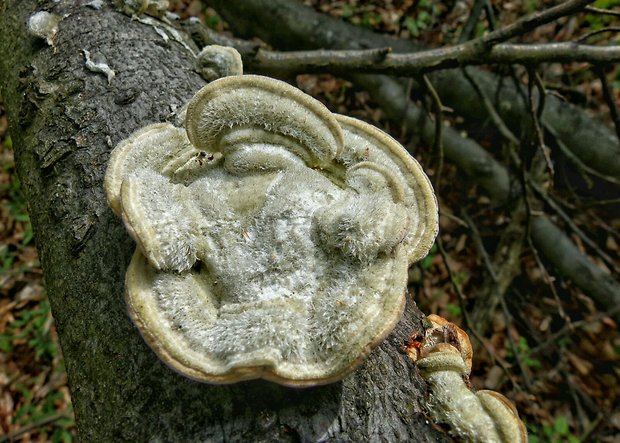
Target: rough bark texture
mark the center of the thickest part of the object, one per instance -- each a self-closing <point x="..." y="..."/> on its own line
<point x="287" y="24"/>
<point x="64" y="121"/>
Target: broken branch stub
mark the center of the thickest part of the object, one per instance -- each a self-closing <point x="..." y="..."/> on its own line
<point x="273" y="236"/>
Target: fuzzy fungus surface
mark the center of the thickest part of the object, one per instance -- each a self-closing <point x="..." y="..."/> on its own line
<point x="274" y="237"/>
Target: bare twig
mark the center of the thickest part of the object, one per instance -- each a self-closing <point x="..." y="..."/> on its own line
<point x="535" y="20"/>
<point x="567" y="219"/>
<point x="457" y="288"/>
<point x="472" y="326"/>
<point x="513" y="346"/>
<point x="577" y="161"/>
<point x="562" y="253"/>
<point x="480" y="246"/>
<point x="587" y="433"/>
<point x="410" y="64"/>
<point x="549" y="280"/>
<point x="468" y="323"/>
<point x="334" y="59"/>
<point x="493" y="114"/>
<point x="598" y="31"/>
<point x="437" y="110"/>
<point x="611" y="103"/>
<point x="502" y="269"/>
<point x="570" y="328"/>
<point x="483" y="50"/>
<point x="536" y="112"/>
<point x="594" y="10"/>
<point x="34" y="425"/>
<point x="474" y="16"/>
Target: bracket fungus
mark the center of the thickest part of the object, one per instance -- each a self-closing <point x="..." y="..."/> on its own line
<point x="44" y="25"/>
<point x="444" y="359"/>
<point x="215" y="61"/>
<point x="273" y="236"/>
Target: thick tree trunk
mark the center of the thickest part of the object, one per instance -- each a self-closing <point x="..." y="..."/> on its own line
<point x="65" y="119"/>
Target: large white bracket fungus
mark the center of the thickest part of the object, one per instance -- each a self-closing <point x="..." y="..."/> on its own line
<point x="444" y="358"/>
<point x="273" y="236"/>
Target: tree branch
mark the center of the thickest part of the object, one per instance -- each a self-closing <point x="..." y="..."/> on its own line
<point x="381" y="61"/>
<point x="594" y="10"/>
<point x="533" y="21"/>
<point x="472" y="20"/>
<point x="484" y="50"/>
<point x="291" y="25"/>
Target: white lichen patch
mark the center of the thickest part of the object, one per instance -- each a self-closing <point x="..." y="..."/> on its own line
<point x="98" y="66"/>
<point x="273" y="236"/>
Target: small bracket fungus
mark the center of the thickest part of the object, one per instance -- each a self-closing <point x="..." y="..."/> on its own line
<point x="44" y="25"/>
<point x="216" y="61"/>
<point x="444" y="358"/>
<point x="273" y="236"/>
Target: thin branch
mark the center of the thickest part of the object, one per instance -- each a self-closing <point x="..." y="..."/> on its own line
<point x="534" y="20"/>
<point x="438" y="114"/>
<point x="577" y="161"/>
<point x="594" y="10"/>
<point x="611" y="103"/>
<point x="513" y="346"/>
<point x="381" y="61"/>
<point x="523" y="180"/>
<point x="548" y="280"/>
<point x="468" y="323"/>
<point x="45" y="421"/>
<point x="457" y="288"/>
<point x="609" y="262"/>
<point x="497" y="120"/>
<point x="567" y="329"/>
<point x="598" y="31"/>
<point x="474" y="16"/>
<point x="536" y="112"/>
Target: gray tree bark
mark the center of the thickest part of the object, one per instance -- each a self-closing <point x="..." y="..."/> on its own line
<point x="64" y="120"/>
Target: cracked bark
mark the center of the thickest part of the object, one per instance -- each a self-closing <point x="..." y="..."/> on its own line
<point x="64" y="121"/>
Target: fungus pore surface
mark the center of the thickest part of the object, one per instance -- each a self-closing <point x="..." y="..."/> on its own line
<point x="274" y="237"/>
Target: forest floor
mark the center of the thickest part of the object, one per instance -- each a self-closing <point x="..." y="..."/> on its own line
<point x="549" y="350"/>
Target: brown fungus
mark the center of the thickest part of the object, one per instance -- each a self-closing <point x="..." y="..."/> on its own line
<point x="273" y="236"/>
<point x="444" y="359"/>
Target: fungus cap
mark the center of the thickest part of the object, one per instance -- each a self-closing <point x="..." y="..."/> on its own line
<point x="273" y="236"/>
